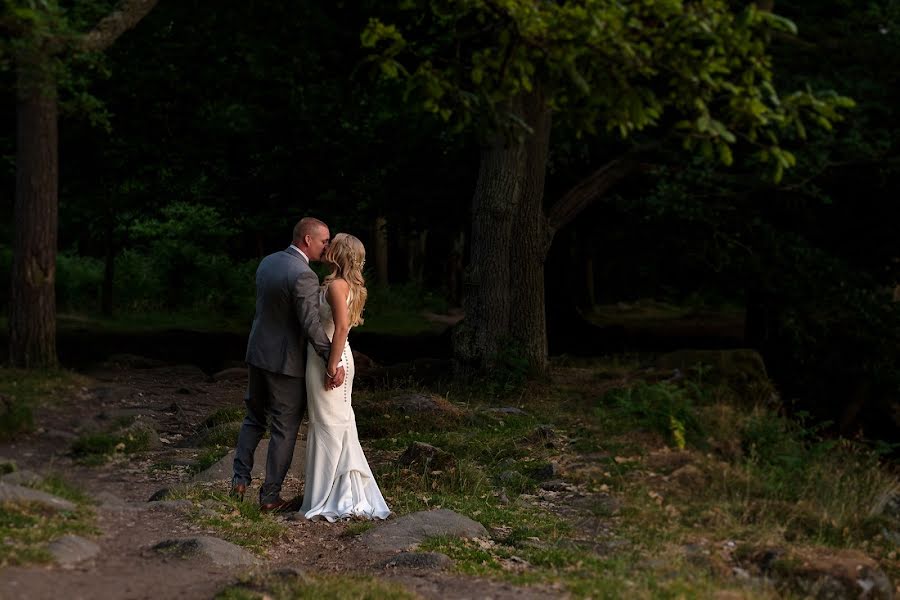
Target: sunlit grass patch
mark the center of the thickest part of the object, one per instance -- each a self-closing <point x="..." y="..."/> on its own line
<point x="97" y="448"/>
<point x="239" y="522"/>
<point x="22" y="389"/>
<point x="302" y="587"/>
<point x="26" y="528"/>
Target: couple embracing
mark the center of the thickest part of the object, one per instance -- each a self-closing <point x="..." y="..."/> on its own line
<point x="299" y="361"/>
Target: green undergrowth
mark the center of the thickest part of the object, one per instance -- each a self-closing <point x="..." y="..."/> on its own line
<point x="238" y="522"/>
<point x="21" y="390"/>
<point x="27" y="528"/>
<point x="96" y="448"/>
<point x="660" y="462"/>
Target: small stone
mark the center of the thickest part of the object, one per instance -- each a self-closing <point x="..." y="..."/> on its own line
<point x="507" y="410"/>
<point x="17" y="493"/>
<point x="23" y="477"/>
<point x="70" y="550"/>
<point x="555" y="485"/>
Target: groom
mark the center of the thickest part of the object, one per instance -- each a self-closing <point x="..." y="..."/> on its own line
<point x="287" y="316"/>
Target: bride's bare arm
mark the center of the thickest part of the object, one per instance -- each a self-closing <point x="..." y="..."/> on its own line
<point x="336" y="295"/>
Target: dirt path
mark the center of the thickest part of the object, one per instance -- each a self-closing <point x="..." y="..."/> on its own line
<point x="176" y="399"/>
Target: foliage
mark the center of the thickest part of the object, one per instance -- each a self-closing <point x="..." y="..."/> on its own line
<point x="239" y="522"/>
<point x="22" y="390"/>
<point x="698" y="69"/>
<point x="666" y="408"/>
<point x="26" y="528"/>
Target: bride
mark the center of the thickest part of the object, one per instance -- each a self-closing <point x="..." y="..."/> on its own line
<point x="339" y="482"/>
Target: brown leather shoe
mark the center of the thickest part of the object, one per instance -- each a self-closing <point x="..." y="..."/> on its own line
<point x="237" y="491"/>
<point x="280" y="505"/>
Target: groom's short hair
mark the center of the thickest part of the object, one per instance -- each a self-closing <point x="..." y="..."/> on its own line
<point x="307" y="226"/>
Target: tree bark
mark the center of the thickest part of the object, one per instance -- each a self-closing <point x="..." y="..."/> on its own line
<point x="531" y="242"/>
<point x="486" y="281"/>
<point x="32" y="310"/>
<point x="381" y="252"/>
<point x="109" y="267"/>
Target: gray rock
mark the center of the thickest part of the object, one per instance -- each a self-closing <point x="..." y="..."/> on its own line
<point x="112" y="414"/>
<point x="160" y="494"/>
<point x="110" y="394"/>
<point x="171" y="505"/>
<point x="17" y="493"/>
<point x="418" y="560"/>
<point x="59" y="434"/>
<point x="417" y="404"/>
<point x="507" y="410"/>
<point x="224" y="469"/>
<point x="426" y="457"/>
<point x="70" y="550"/>
<point x="416" y="527"/>
<point x="219" y="552"/>
<point x="133" y="361"/>
<point x="233" y="374"/>
<point x="24" y="477"/>
<point x="555" y="485"/>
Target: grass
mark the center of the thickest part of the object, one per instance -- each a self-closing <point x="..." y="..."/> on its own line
<point x="98" y="448"/>
<point x="303" y="587"/>
<point x="22" y="389"/>
<point x="659" y="465"/>
<point x="238" y="522"/>
<point x="27" y="528"/>
<point x="151" y="321"/>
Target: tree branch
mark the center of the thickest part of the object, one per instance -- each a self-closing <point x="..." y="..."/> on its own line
<point x="589" y="189"/>
<point x="126" y="15"/>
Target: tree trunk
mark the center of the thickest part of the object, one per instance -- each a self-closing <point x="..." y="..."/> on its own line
<point x="528" y="318"/>
<point x="32" y="308"/>
<point x="381" y="252"/>
<point x="415" y="259"/>
<point x="486" y="282"/>
<point x="109" y="268"/>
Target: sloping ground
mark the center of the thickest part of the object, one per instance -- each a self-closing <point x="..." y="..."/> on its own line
<point x="611" y="479"/>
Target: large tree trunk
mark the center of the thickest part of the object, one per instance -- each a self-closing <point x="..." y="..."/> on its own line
<point x="109" y="267"/>
<point x="486" y="281"/>
<point x="531" y="242"/>
<point x="32" y="308"/>
<point x="381" y="252"/>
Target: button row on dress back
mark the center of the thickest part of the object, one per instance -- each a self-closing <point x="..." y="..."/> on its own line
<point x="346" y="374"/>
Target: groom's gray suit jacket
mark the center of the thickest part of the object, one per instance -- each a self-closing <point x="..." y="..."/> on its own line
<point x="287" y="315"/>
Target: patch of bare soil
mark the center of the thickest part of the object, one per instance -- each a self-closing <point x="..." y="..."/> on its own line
<point x="176" y="400"/>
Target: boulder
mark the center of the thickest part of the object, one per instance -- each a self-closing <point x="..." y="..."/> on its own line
<point x="743" y="370"/>
<point x="224" y="469"/>
<point x="232" y="374"/>
<point x="70" y="550"/>
<point x="426" y="457"/>
<point x="23" y="477"/>
<point x="414" y="528"/>
<point x="17" y="493"/>
<point x="206" y="548"/>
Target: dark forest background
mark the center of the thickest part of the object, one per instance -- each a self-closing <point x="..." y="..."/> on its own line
<point x="189" y="150"/>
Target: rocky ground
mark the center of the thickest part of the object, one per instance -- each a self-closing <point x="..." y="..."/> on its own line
<point x="125" y="561"/>
<point x="152" y="540"/>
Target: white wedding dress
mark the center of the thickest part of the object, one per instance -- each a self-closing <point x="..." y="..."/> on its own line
<point x="339" y="482"/>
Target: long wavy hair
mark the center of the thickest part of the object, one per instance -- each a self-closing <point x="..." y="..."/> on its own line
<point x="347" y="255"/>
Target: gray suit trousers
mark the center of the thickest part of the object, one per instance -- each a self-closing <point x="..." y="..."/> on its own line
<point x="280" y="399"/>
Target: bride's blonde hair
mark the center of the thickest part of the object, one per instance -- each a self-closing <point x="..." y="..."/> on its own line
<point x="347" y="255"/>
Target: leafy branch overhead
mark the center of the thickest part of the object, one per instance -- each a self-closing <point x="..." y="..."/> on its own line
<point x="697" y="69"/>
